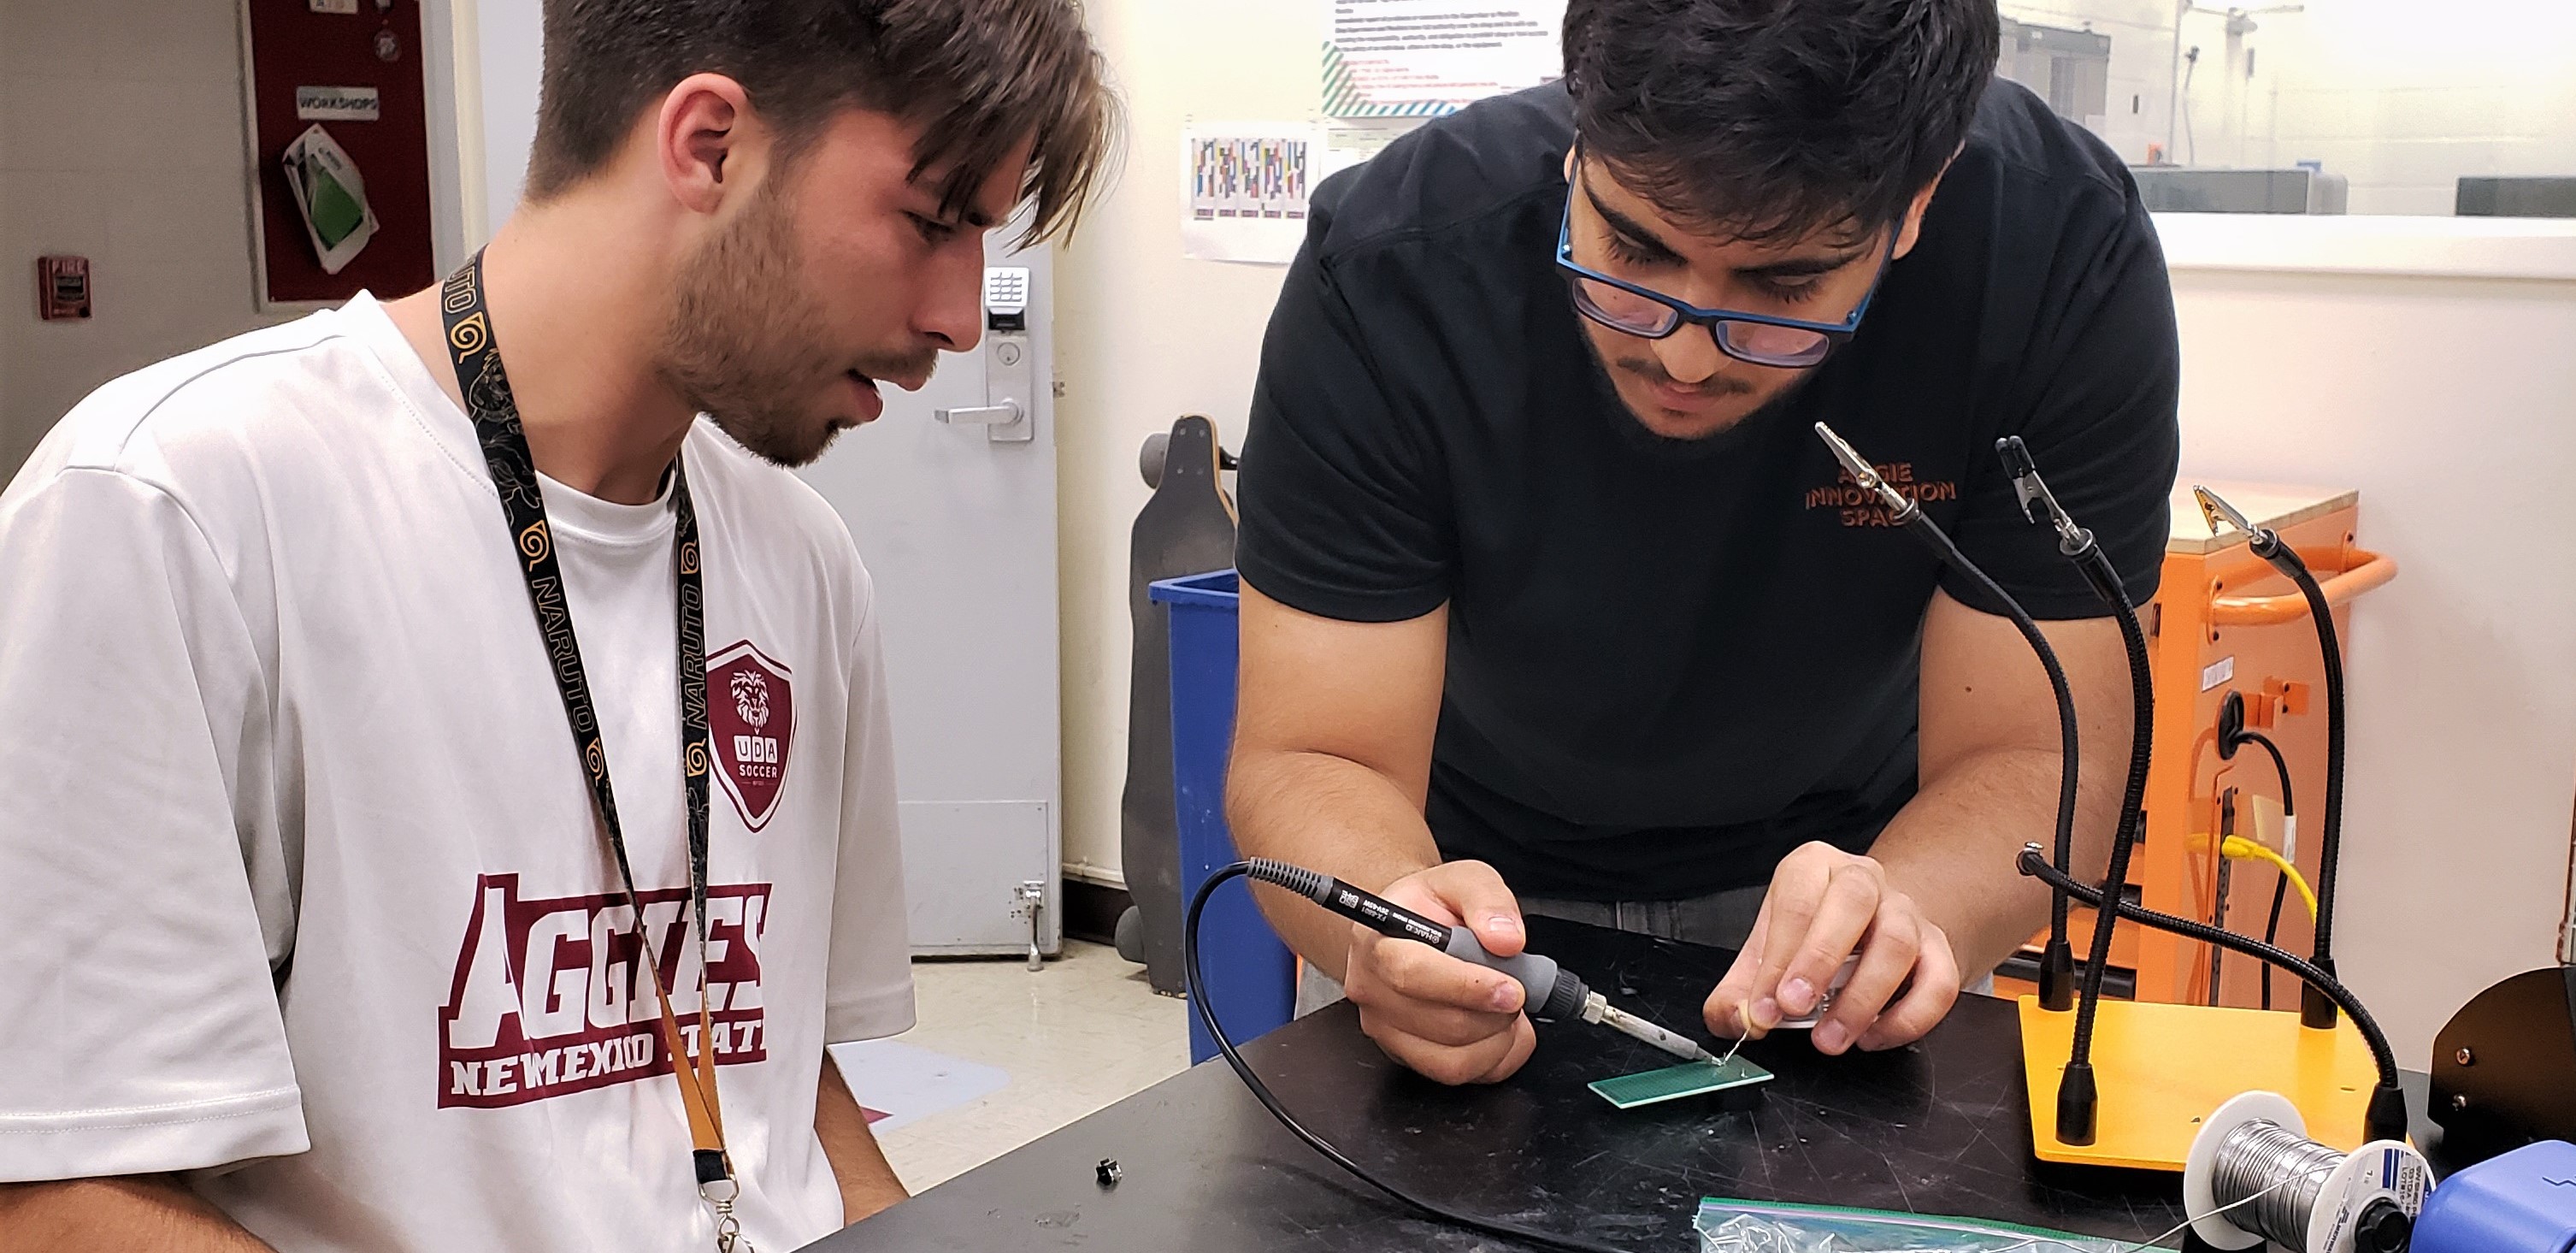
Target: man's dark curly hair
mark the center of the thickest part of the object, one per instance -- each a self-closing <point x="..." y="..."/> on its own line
<point x="1770" y="119"/>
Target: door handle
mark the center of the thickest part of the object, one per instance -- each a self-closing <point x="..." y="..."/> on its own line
<point x="1010" y="363"/>
<point x="1002" y="414"/>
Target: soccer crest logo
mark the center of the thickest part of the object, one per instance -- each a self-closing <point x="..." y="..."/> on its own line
<point x="751" y="715"/>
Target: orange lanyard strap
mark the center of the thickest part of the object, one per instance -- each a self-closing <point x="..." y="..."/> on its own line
<point x="697" y="1076"/>
<point x="514" y="478"/>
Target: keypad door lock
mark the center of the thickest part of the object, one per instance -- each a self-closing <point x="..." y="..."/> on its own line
<point x="1010" y="362"/>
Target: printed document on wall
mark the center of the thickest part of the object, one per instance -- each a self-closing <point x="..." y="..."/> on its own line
<point x="1244" y="188"/>
<point x="1426" y="58"/>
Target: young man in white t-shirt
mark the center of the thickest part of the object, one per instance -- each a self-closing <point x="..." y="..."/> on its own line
<point x="321" y="937"/>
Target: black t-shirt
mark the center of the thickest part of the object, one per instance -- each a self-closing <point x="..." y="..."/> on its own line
<point x="1669" y="662"/>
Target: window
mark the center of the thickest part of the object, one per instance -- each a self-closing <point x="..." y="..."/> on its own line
<point x="2428" y="107"/>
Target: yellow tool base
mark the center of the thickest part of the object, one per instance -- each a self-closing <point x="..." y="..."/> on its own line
<point x="2161" y="1069"/>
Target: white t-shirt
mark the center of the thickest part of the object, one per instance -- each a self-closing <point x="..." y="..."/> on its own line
<point x="306" y="894"/>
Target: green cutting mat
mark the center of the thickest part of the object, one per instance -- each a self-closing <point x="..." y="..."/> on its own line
<point x="1674" y="1082"/>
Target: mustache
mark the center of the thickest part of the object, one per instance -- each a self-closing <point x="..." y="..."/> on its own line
<point x="1713" y="386"/>
<point x="908" y="365"/>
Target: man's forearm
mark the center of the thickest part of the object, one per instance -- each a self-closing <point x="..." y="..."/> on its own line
<point x="1953" y="848"/>
<point x="1329" y="814"/>
<point x="867" y="1180"/>
<point x="133" y="1212"/>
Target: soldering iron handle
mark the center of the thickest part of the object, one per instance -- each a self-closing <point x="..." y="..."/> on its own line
<point x="1552" y="992"/>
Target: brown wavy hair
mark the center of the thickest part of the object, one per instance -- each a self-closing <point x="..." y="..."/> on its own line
<point x="977" y="76"/>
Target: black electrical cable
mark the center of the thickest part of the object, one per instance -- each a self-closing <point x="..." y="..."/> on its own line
<point x="2272" y="929"/>
<point x="1206" y="1011"/>
<point x="2218" y="919"/>
<point x="2289" y="810"/>
<point x="2289" y="805"/>
<point x="2226" y="880"/>
<point x="2382" y="1055"/>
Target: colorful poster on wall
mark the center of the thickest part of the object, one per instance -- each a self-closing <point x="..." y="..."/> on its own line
<point x="1243" y="190"/>
<point x="1425" y="58"/>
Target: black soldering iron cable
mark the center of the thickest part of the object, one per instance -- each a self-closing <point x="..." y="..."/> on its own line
<point x="1200" y="1005"/>
<point x="2382" y="1055"/>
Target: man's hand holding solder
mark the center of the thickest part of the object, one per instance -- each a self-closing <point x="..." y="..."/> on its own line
<point x="1825" y="907"/>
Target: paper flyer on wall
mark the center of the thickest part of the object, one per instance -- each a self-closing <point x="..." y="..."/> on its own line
<point x="1425" y="58"/>
<point x="331" y="197"/>
<point x="1244" y="188"/>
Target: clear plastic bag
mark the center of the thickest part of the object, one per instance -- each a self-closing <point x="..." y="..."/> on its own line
<point x="1762" y="1227"/>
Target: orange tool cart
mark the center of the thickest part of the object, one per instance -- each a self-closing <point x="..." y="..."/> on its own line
<point x="2225" y="625"/>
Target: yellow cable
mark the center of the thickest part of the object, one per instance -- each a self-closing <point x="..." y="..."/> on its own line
<point x="2243" y="849"/>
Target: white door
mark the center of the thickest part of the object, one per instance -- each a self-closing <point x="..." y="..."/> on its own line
<point x="956" y="521"/>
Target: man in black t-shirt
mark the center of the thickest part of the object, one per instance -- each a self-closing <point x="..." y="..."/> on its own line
<point x="1554" y="601"/>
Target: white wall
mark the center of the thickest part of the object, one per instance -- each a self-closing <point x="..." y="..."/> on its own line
<point x="120" y="140"/>
<point x="2451" y="403"/>
<point x="1144" y="337"/>
<point x="508" y="40"/>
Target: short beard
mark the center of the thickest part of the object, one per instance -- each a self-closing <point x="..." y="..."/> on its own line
<point x="744" y="345"/>
<point x="1633" y="428"/>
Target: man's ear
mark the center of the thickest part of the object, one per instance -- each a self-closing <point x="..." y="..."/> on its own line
<point x="704" y="142"/>
<point x="1911" y="228"/>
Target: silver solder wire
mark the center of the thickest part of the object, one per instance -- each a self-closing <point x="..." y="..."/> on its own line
<point x="2262" y="1153"/>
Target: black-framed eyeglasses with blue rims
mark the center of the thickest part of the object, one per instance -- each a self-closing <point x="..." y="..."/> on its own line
<point x="1753" y="338"/>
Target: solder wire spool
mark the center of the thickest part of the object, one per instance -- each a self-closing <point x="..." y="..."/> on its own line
<point x="2254" y="1175"/>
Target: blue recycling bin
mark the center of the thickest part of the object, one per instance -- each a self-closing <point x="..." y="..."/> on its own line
<point x="1251" y="976"/>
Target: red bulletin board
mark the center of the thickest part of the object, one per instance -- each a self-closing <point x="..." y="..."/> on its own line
<point x="337" y="43"/>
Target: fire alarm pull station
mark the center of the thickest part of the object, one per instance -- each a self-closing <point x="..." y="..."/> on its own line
<point x="62" y="288"/>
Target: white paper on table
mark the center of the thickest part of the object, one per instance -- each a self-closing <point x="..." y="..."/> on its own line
<point x="1245" y="189"/>
<point x="896" y="1083"/>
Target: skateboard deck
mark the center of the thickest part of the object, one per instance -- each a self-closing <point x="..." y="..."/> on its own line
<point x="1186" y="528"/>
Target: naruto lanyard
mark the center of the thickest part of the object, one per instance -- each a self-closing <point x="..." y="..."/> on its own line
<point x="514" y="476"/>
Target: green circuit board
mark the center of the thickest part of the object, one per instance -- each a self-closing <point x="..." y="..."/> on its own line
<point x="1671" y="1083"/>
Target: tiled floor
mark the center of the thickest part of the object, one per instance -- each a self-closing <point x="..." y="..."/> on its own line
<point x="1080" y="1034"/>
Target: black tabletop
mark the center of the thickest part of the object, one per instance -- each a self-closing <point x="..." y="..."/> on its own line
<point x="1939" y="1128"/>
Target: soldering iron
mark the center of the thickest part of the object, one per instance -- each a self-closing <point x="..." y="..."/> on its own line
<point x="1552" y="990"/>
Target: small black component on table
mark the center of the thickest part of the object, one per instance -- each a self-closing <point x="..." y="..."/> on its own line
<point x="1939" y="1128"/>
